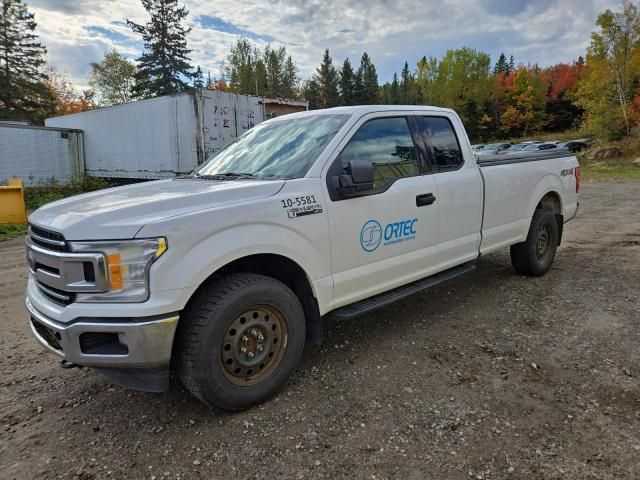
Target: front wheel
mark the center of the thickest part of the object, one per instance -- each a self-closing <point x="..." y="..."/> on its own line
<point x="242" y="337"/>
<point x="534" y="256"/>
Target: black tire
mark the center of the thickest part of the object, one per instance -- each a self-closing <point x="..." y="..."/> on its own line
<point x="534" y="256"/>
<point x="204" y="345"/>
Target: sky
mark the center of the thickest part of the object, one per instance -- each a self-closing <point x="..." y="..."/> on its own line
<point x="78" y="32"/>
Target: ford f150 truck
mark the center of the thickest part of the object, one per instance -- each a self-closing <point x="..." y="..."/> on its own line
<point x="221" y="276"/>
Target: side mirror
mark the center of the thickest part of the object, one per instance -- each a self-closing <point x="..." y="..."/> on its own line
<point x="359" y="178"/>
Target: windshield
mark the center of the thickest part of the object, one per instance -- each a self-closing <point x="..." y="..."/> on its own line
<point x="533" y="146"/>
<point x="280" y="149"/>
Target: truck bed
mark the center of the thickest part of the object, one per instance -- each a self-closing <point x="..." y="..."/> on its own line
<point x="505" y="158"/>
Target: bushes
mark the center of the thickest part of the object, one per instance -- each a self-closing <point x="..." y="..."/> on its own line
<point x="35" y="197"/>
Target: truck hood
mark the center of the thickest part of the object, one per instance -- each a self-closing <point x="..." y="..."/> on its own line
<point x="119" y="213"/>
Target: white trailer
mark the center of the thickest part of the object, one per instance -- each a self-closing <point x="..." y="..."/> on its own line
<point x="40" y="155"/>
<point x="164" y="136"/>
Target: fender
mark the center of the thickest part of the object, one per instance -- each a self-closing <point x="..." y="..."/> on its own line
<point x="550" y="183"/>
<point x="189" y="266"/>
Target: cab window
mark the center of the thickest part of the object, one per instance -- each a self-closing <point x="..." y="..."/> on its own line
<point x="388" y="145"/>
<point x="442" y="141"/>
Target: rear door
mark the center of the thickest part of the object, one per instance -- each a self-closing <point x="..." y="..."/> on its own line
<point x="387" y="237"/>
<point x="459" y="190"/>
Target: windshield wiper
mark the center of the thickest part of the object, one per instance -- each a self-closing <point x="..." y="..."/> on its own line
<point x="227" y="176"/>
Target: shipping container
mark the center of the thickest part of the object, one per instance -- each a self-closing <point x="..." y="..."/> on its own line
<point x="40" y="155"/>
<point x="164" y="136"/>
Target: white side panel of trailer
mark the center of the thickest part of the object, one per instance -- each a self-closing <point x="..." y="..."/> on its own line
<point x="39" y="156"/>
<point x="153" y="138"/>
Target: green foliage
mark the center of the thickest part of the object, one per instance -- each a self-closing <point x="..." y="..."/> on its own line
<point x="24" y="95"/>
<point x="113" y="79"/>
<point x="164" y="66"/>
<point x="323" y="88"/>
<point x="613" y="68"/>
<point x="597" y="95"/>
<point x="11" y="230"/>
<point x="329" y="87"/>
<point x="526" y="108"/>
<point x="459" y="80"/>
<point x="35" y="197"/>
<point x="407" y="89"/>
<point x="366" y="82"/>
<point x="609" y="171"/>
<point x="198" y="78"/>
<point x="390" y="92"/>
<point x="347" y="84"/>
<point x="241" y="67"/>
<point x="270" y="72"/>
<point x="310" y="93"/>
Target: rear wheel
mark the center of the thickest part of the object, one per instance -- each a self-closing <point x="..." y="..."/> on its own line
<point x="534" y="256"/>
<point x="242" y="337"/>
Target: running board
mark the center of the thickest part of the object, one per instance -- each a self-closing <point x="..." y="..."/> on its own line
<point x="383" y="299"/>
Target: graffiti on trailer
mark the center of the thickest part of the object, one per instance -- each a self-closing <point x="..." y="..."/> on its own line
<point x="223" y="111"/>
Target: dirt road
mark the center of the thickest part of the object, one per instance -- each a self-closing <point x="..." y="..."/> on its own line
<point x="492" y="375"/>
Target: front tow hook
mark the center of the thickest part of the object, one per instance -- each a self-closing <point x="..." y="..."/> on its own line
<point x="65" y="364"/>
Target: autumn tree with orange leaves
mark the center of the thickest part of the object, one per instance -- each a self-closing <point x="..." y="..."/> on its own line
<point x="66" y="99"/>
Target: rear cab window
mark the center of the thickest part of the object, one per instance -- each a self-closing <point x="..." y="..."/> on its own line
<point x="442" y="142"/>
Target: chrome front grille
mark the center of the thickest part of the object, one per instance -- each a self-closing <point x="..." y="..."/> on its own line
<point x="46" y="239"/>
<point x="59" y="273"/>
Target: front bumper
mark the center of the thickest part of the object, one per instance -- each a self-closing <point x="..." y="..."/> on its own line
<point x="107" y="342"/>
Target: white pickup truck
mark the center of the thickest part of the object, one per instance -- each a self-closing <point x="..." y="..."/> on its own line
<point x="221" y="276"/>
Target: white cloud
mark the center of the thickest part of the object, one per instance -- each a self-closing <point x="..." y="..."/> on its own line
<point x="542" y="31"/>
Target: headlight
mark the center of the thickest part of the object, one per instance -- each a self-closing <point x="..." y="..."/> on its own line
<point x="127" y="264"/>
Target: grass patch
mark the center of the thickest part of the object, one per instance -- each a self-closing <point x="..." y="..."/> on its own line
<point x="11" y="230"/>
<point x="35" y="197"/>
<point x="620" y="167"/>
<point x="609" y="171"/>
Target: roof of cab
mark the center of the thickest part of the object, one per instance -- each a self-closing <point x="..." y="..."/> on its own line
<point x="364" y="109"/>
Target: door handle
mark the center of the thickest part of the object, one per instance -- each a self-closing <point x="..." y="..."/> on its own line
<point x="425" y="199"/>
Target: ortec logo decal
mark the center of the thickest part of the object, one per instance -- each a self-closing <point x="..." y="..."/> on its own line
<point x="373" y="234"/>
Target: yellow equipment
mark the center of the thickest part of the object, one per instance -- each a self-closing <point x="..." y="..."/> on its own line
<point x="12" y="208"/>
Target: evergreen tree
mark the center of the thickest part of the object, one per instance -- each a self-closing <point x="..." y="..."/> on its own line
<point x="367" y="90"/>
<point x="347" y="83"/>
<point x="501" y="66"/>
<point x="357" y="87"/>
<point x="273" y="60"/>
<point x="164" y="66"/>
<point x="24" y="94"/>
<point x="326" y="79"/>
<point x="406" y="86"/>
<point x="290" y="79"/>
<point x="270" y="72"/>
<point x="310" y="93"/>
<point x="394" y="91"/>
<point x="260" y="75"/>
<point x="198" y="78"/>
<point x="511" y="66"/>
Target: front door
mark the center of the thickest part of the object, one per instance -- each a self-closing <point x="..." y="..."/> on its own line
<point x="387" y="237"/>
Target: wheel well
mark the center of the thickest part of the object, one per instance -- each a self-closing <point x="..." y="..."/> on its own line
<point x="288" y="272"/>
<point x="551" y="201"/>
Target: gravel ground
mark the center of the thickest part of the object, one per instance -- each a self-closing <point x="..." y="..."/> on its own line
<point x="489" y="376"/>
